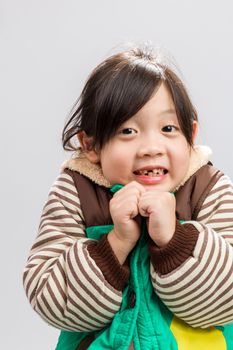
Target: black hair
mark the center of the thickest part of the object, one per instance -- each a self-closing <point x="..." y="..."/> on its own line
<point x="117" y="89"/>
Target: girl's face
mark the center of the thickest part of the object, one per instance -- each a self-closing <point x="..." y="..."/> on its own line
<point x="148" y="148"/>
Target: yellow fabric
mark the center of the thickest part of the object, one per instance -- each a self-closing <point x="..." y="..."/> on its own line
<point x="189" y="338"/>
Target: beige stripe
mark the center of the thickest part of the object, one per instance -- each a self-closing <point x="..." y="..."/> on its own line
<point x="227" y="319"/>
<point x="54" y="299"/>
<point x="60" y="289"/>
<point x="56" y="209"/>
<point x="96" y="287"/>
<point x="66" y="235"/>
<point x="187" y="273"/>
<point x="66" y="181"/>
<point x="182" y="297"/>
<point x="67" y="190"/>
<point x="53" y="314"/>
<point x="99" y="275"/>
<point x="64" y="198"/>
<point x="213" y="209"/>
<point x="208" y="298"/>
<point x="47" y="240"/>
<point x="32" y="277"/>
<point x="45" y="221"/>
<point x="66" y="178"/>
<point x="66" y="317"/>
<point x="56" y="203"/>
<point x="212" y="317"/>
<point x="89" y="306"/>
<point x="59" y="325"/>
<point x="56" y="224"/>
<point x="220" y="188"/>
<point x="214" y="200"/>
<point x="84" y="321"/>
<point x="226" y="220"/>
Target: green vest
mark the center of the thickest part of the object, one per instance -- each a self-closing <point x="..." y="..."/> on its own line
<point x="143" y="318"/>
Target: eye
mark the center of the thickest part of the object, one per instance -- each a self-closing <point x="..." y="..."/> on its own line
<point x="169" y="128"/>
<point x="128" y="131"/>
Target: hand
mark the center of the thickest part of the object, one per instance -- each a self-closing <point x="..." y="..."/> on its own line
<point x="160" y="208"/>
<point x="124" y="212"/>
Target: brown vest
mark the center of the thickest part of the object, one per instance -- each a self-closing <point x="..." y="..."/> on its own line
<point x="94" y="200"/>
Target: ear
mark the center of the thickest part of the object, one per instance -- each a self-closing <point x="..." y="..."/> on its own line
<point x="86" y="143"/>
<point x="195" y="130"/>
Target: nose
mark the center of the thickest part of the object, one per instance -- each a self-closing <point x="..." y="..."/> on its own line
<point x="151" y="146"/>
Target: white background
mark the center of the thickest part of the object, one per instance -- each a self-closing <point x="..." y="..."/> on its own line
<point x="47" y="50"/>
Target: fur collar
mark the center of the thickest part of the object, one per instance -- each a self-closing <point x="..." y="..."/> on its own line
<point x="200" y="156"/>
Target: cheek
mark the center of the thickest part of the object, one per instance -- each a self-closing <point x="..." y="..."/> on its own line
<point x="182" y="156"/>
<point x="113" y="159"/>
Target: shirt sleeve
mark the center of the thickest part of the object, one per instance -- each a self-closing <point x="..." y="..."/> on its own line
<point x="67" y="278"/>
<point x="193" y="274"/>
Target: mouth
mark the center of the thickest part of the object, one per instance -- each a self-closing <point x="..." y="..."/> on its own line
<point x="151" y="172"/>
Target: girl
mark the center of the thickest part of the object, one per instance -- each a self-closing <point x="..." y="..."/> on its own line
<point x="134" y="249"/>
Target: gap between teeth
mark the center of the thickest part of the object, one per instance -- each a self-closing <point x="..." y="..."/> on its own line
<point x="152" y="172"/>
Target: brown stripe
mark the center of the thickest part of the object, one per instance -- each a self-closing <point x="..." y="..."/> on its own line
<point x="53" y="250"/>
<point x="59" y="288"/>
<point x="99" y="275"/>
<point x="36" y="257"/>
<point x="183" y="296"/>
<point x="92" y="326"/>
<point x="49" y="220"/>
<point x="59" y="307"/>
<point x="52" y="266"/>
<point x="66" y="199"/>
<point x="52" y="313"/>
<point x="51" y="201"/>
<point x="220" y="321"/>
<point x="220" y="188"/>
<point x="187" y="273"/>
<point x="221" y="282"/>
<point x="52" y="322"/>
<point x="228" y="237"/>
<point x="55" y="224"/>
<point x="201" y="218"/>
<point x="207" y="315"/>
<point x="35" y="273"/>
<point x="96" y="287"/>
<point x="216" y="199"/>
<point x="62" y="272"/>
<point x="60" y="208"/>
<point x="226" y="220"/>
<point x="224" y="211"/>
<point x="67" y="190"/>
<point x="47" y="240"/>
<point x="88" y="305"/>
<point x="50" y="230"/>
<point x="64" y="179"/>
<point x="54" y="299"/>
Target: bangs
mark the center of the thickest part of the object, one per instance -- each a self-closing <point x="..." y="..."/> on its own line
<point x="124" y="93"/>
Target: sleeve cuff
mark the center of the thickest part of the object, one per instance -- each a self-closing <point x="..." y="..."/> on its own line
<point x="101" y="252"/>
<point x="177" y="251"/>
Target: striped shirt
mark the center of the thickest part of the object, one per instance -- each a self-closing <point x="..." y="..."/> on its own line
<point x="66" y="286"/>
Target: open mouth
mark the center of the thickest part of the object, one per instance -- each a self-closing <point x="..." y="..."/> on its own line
<point x="151" y="172"/>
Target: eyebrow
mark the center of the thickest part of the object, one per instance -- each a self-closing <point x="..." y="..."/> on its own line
<point x="168" y="111"/>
